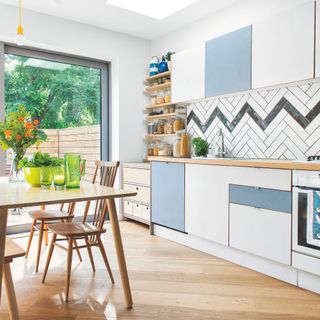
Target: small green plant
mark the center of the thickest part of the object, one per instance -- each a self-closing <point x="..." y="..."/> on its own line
<point x="168" y="55"/>
<point x="200" y="146"/>
<point x="40" y="160"/>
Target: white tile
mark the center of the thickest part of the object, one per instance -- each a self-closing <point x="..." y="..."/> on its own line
<point x="257" y="129"/>
<point x="275" y="133"/>
<point x="299" y="143"/>
<point x="278" y="152"/>
<point x="302" y="133"/>
<point x="254" y="147"/>
<point x="313" y="125"/>
<point x="256" y="139"/>
<point x="275" y="145"/>
<point x="313" y="89"/>
<point x="313" y="137"/>
<point x="236" y="148"/>
<point x="299" y="93"/>
<point x="257" y="108"/>
<point x="298" y="154"/>
<point x="239" y="136"/>
<point x="278" y="119"/>
<point x="275" y="99"/>
<point x="238" y="106"/>
<point x="300" y="106"/>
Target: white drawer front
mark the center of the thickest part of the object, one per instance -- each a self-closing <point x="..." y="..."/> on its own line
<point x="136" y="176"/>
<point x="137" y="210"/>
<point x="265" y="233"/>
<point x="143" y="193"/>
<point x="264" y="178"/>
<point x="146" y="213"/>
<point x="306" y="263"/>
<point x="127" y="207"/>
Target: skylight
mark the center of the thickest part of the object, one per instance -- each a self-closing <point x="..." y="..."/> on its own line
<point x="152" y="8"/>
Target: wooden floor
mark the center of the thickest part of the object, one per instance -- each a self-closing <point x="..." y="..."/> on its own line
<point x="169" y="281"/>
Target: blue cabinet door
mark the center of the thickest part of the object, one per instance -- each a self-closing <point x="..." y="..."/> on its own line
<point x="228" y="62"/>
<point x="167" y="195"/>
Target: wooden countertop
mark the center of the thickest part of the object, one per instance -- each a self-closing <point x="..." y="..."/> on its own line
<point x="255" y="163"/>
<point x="138" y="165"/>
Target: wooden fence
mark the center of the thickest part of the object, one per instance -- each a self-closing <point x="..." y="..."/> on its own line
<point x="83" y="140"/>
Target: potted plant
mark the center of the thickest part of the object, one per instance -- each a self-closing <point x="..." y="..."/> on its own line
<point x="200" y="147"/>
<point x="18" y="132"/>
<point x="32" y="166"/>
<point x="168" y="58"/>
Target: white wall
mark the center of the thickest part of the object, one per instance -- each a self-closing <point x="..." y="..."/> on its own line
<point x="129" y="58"/>
<point x="242" y="13"/>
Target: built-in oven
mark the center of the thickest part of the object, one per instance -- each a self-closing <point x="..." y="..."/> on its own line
<point x="306" y="213"/>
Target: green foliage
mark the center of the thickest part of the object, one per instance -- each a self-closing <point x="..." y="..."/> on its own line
<point x="168" y="55"/>
<point x="60" y="98"/>
<point x="201" y="147"/>
<point x="40" y="160"/>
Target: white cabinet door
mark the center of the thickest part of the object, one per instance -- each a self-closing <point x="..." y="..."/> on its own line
<point x="283" y="47"/>
<point x="265" y="233"/>
<point x="206" y="201"/>
<point x="188" y="75"/>
<point x="317" y="60"/>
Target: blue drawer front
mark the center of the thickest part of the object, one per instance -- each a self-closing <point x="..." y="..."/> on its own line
<point x="276" y="200"/>
<point x="228" y="63"/>
<point x="167" y="195"/>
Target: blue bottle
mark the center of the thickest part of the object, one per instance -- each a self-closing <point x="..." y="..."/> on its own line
<point x="163" y="66"/>
<point x="154" y="66"/>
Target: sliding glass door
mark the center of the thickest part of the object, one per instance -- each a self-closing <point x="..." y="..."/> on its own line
<point x="69" y="96"/>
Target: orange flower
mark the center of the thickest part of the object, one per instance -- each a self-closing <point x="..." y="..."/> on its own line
<point x="28" y="134"/>
<point x="29" y="125"/>
<point x="35" y="122"/>
<point x="21" y="119"/>
<point x="18" y="137"/>
<point x="8" y="133"/>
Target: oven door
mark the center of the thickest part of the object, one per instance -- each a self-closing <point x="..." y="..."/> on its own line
<point x="306" y="238"/>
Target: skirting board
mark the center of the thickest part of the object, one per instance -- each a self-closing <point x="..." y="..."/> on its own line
<point x="265" y="266"/>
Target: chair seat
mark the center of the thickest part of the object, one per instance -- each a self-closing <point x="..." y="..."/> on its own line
<point x="74" y="229"/>
<point x="49" y="215"/>
<point x="12" y="250"/>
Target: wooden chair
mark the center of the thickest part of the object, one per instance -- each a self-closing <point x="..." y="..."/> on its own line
<point x="90" y="233"/>
<point x="41" y="218"/>
<point x="12" y="251"/>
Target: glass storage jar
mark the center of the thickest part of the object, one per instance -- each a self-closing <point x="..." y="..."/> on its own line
<point x="177" y="148"/>
<point x="164" y="149"/>
<point x="178" y="124"/>
<point x="160" y="97"/>
<point x="167" y="95"/>
<point x="185" y="145"/>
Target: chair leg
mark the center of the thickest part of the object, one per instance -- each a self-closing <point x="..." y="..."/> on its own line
<point x="51" y="247"/>
<point x="39" y="244"/>
<point x="45" y="235"/>
<point x="11" y="296"/>
<point x="90" y="254"/>
<point x="78" y="250"/>
<point x="104" y="256"/>
<point x="69" y="264"/>
<point x="30" y="237"/>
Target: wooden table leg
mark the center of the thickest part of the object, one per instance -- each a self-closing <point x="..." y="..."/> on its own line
<point x="3" y="233"/>
<point x="11" y="296"/>
<point x="120" y="253"/>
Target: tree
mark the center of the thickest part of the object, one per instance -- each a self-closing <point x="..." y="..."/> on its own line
<point x="60" y="97"/>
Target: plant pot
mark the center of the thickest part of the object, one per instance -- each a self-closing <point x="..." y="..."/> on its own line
<point x="32" y="176"/>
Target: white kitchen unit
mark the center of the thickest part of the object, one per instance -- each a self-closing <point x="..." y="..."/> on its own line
<point x="206" y="201"/>
<point x="136" y="177"/>
<point x="317" y="58"/>
<point x="283" y="47"/>
<point x="188" y="75"/>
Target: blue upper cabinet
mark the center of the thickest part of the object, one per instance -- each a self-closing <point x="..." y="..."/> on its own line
<point x="228" y="63"/>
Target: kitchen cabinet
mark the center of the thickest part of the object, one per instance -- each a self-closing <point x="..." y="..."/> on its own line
<point x="168" y="195"/>
<point x="283" y="47"/>
<point x="317" y="51"/>
<point x="262" y="232"/>
<point x="228" y="63"/>
<point x="188" y="75"/>
<point x="207" y="201"/>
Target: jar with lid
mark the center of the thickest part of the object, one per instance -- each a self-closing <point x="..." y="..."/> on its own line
<point x="150" y="149"/>
<point x="166" y="109"/>
<point x="160" y="97"/>
<point x="172" y="109"/>
<point x="155" y="148"/>
<point x="160" y="127"/>
<point x="167" y="95"/>
<point x="177" y="148"/>
<point x="168" y="128"/>
<point x="153" y="99"/>
<point x="164" y="149"/>
<point x="185" y="145"/>
<point x="178" y="124"/>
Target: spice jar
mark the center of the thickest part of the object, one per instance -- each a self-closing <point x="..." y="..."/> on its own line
<point x="167" y="95"/>
<point x="150" y="149"/>
<point x="172" y="109"/>
<point x="153" y="100"/>
<point x="177" y="148"/>
<point x="160" y="97"/>
<point x="155" y="149"/>
<point x="166" y="109"/>
<point x="164" y="149"/>
<point x="178" y="125"/>
<point x="160" y="127"/>
<point x="185" y="145"/>
<point x="168" y="128"/>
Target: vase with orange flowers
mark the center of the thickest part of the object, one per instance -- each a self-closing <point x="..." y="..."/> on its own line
<point x="18" y="132"/>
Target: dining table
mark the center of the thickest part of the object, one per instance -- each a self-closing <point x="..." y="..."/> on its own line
<point x="21" y="195"/>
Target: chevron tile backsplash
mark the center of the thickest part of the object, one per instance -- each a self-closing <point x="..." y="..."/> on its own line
<point x="282" y="123"/>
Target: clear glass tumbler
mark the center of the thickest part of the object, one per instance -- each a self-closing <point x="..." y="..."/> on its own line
<point x="72" y="170"/>
<point x="59" y="177"/>
<point x="46" y="177"/>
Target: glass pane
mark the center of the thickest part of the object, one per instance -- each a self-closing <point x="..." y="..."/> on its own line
<point x="66" y="99"/>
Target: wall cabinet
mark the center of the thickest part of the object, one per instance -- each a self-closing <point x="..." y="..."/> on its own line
<point x="228" y="63"/>
<point x="283" y="47"/>
<point x="317" y="58"/>
<point x="188" y="75"/>
<point x="136" y="177"/>
<point x="207" y="201"/>
<point x="168" y="195"/>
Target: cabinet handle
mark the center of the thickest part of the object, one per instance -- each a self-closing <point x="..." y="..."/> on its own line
<point x="257" y="188"/>
<point x="137" y="205"/>
<point x="137" y="188"/>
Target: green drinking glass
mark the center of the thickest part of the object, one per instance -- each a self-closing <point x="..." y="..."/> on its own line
<point x="72" y="170"/>
<point x="59" y="178"/>
<point x="46" y="177"/>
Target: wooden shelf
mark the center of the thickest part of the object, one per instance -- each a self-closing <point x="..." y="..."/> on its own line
<point x="162" y="116"/>
<point x="161" y="135"/>
<point x="159" y="75"/>
<point x="158" y="87"/>
<point x="160" y="105"/>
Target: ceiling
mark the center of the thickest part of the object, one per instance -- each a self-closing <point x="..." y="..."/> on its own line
<point x="100" y="14"/>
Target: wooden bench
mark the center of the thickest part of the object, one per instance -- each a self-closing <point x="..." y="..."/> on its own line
<point x="12" y="251"/>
